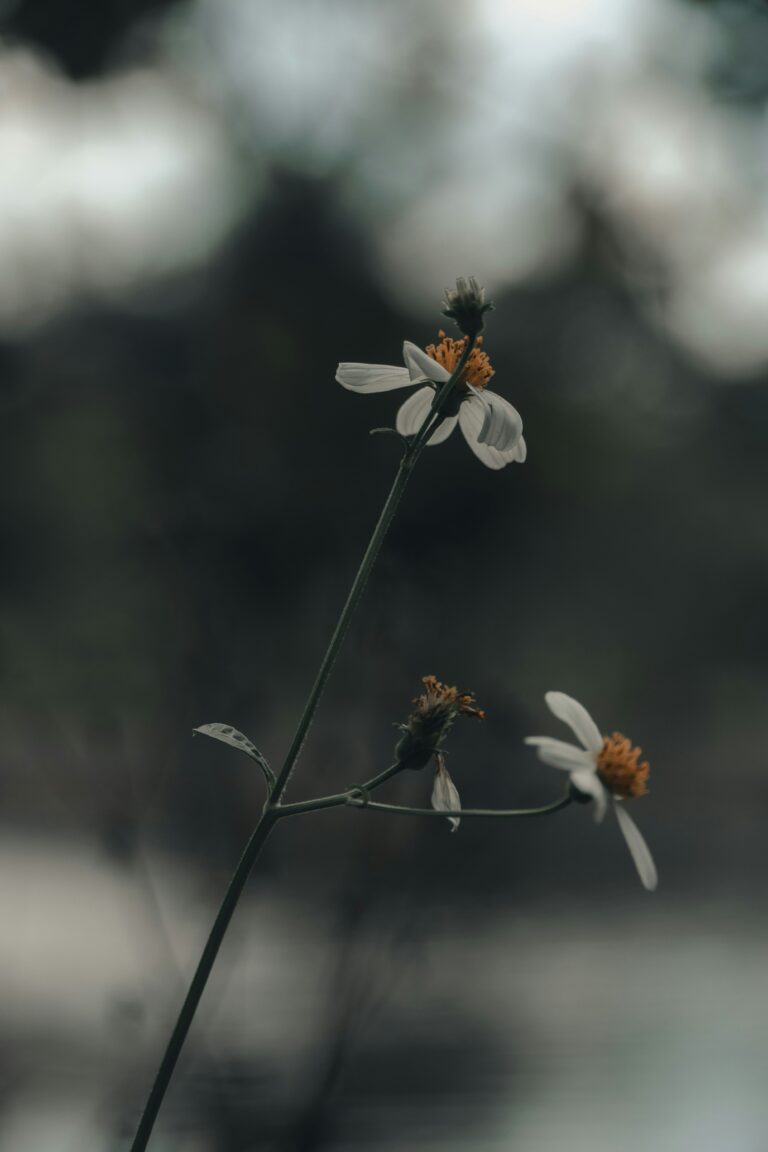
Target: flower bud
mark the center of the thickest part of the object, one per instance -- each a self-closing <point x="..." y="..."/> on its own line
<point x="466" y="305"/>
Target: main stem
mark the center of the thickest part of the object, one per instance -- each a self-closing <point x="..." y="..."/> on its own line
<point x="271" y="813"/>
<point x="200" y="979"/>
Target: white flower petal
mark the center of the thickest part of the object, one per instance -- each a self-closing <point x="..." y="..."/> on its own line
<point x="372" y="377"/>
<point x="558" y="754"/>
<point x="471" y="417"/>
<point x="577" y="718"/>
<point x="502" y="424"/>
<point x="445" y="797"/>
<point x="638" y="848"/>
<point x="588" y="781"/>
<point x="521" y="451"/>
<point x="412" y="414"/>
<point x="421" y="366"/>
<point x="443" y="431"/>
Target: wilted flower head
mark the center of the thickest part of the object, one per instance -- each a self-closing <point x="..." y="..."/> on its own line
<point x="606" y="769"/>
<point x="466" y="304"/>
<point x="430" y="722"/>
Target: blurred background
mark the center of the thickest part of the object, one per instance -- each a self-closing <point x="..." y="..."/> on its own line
<point x="204" y="205"/>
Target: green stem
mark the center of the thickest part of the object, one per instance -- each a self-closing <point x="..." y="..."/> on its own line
<point x="387" y="774"/>
<point x="337" y="799"/>
<point x="355" y="801"/>
<point x="273" y="810"/>
<point x="200" y="978"/>
<point x="353" y="599"/>
<point x="356" y="798"/>
<point x="407" y="464"/>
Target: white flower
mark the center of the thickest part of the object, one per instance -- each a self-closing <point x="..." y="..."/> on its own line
<point x="445" y="796"/>
<point x="491" y="426"/>
<point x="605" y="768"/>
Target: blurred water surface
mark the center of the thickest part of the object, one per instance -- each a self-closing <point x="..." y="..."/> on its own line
<point x="473" y="1024"/>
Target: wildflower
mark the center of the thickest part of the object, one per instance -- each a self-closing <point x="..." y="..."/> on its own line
<point x="466" y="304"/>
<point x="428" y="725"/>
<point x="607" y="769"/>
<point x="491" y="426"/>
<point x="445" y="796"/>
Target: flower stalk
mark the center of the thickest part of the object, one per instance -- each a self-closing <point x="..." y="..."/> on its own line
<point x="460" y="813"/>
<point x="273" y="810"/>
<point x="407" y="464"/>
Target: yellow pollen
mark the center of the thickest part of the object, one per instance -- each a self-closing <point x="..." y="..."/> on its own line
<point x="437" y="694"/>
<point x="477" y="370"/>
<point x="619" y="770"/>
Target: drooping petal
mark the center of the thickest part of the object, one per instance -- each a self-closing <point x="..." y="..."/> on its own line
<point x="558" y="754"/>
<point x="471" y="417"/>
<point x="445" y="797"/>
<point x="443" y="431"/>
<point x="421" y="366"/>
<point x="502" y="424"/>
<point x="588" y="782"/>
<point x="412" y="414"/>
<point x="577" y="718"/>
<point x="638" y="848"/>
<point x="372" y="377"/>
<point x="521" y="451"/>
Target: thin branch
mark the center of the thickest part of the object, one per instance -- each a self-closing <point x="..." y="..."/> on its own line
<point x="355" y="801"/>
<point x="337" y="799"/>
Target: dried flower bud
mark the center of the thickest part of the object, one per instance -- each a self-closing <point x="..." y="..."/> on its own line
<point x="466" y="304"/>
<point x="434" y="712"/>
<point x="445" y="796"/>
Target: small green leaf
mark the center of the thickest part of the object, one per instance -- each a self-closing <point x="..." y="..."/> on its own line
<point x="229" y="735"/>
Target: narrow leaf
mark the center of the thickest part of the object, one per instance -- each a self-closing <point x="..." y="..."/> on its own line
<point x="229" y="735"/>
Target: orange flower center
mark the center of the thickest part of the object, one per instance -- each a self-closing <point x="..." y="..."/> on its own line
<point x="619" y="770"/>
<point x="477" y="370"/>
